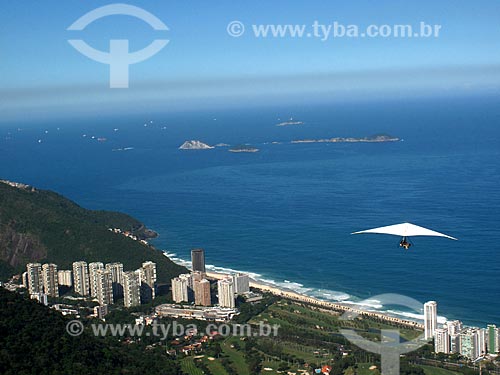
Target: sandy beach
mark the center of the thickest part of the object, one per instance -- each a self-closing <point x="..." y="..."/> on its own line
<point x="342" y="307"/>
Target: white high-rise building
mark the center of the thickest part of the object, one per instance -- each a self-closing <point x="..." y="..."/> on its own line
<point x="65" y="277"/>
<point x="430" y="319"/>
<point x="241" y="283"/>
<point x="104" y="287"/>
<point x="93" y="268"/>
<point x="454" y="327"/>
<point x="50" y="280"/>
<point x="225" y="290"/>
<point x="116" y="270"/>
<point x="180" y="289"/>
<point x="148" y="279"/>
<point x="35" y="281"/>
<point x="442" y="341"/>
<point x="131" y="288"/>
<point x="455" y="343"/>
<point x="81" y="278"/>
<point x="469" y="343"/>
<point x="481" y="341"/>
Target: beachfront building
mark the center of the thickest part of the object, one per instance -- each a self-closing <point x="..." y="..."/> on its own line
<point x="241" y="283"/>
<point x="81" y="278"/>
<point x="131" y="288"/>
<point x="65" y="277"/>
<point x="180" y="289"/>
<point x="116" y="270"/>
<point x="225" y="289"/>
<point x="455" y="343"/>
<point x="93" y="268"/>
<point x="198" y="260"/>
<point x="50" y="280"/>
<point x="202" y="293"/>
<point x="469" y="343"/>
<point x="430" y="319"/>
<point x="35" y="281"/>
<point x="493" y="334"/>
<point x="104" y="287"/>
<point x="442" y="341"/>
<point x="454" y="327"/>
<point x="148" y="280"/>
<point x="481" y="341"/>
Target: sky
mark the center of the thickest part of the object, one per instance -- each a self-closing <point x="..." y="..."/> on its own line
<point x="41" y="74"/>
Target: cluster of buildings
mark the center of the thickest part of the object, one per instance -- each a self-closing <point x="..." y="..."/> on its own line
<point x="453" y="337"/>
<point x="195" y="287"/>
<point x="105" y="283"/>
<point x="128" y="234"/>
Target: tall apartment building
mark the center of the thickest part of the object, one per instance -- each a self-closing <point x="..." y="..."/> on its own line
<point x="50" y="280"/>
<point x="241" y="283"/>
<point x="180" y="289"/>
<point x="493" y="334"/>
<point x="81" y="278"/>
<point x="442" y="341"/>
<point x="65" y="277"/>
<point x="131" y="288"/>
<point x="35" y="281"/>
<point x="104" y="287"/>
<point x="225" y="290"/>
<point x="430" y="319"/>
<point x="469" y="343"/>
<point x="198" y="260"/>
<point x="202" y="293"/>
<point x="454" y="327"/>
<point x="93" y="268"/>
<point x="148" y="280"/>
<point x="116" y="270"/>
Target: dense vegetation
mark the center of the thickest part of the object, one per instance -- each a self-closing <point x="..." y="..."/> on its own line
<point x="37" y="225"/>
<point x="34" y="341"/>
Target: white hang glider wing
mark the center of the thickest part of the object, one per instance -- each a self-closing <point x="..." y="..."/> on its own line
<point x="405" y="230"/>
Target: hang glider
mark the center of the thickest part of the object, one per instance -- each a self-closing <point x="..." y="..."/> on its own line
<point x="405" y="230"/>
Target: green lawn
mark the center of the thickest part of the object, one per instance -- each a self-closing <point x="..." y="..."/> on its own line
<point x="235" y="356"/>
<point x="215" y="367"/>
<point x="430" y="370"/>
<point x="188" y="367"/>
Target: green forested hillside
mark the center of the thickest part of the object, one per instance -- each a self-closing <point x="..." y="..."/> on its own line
<point x="34" y="341"/>
<point x="38" y="225"/>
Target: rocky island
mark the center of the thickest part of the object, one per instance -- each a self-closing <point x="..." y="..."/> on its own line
<point x="195" y="145"/>
<point x="290" y="122"/>
<point x="243" y="148"/>
<point x="372" y="139"/>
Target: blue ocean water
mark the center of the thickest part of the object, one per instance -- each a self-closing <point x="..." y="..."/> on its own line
<point x="286" y="213"/>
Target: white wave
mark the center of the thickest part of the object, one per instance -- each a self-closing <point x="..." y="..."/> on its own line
<point x="367" y="303"/>
<point x="415" y="316"/>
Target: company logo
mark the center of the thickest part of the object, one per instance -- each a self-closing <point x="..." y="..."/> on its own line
<point x="390" y="346"/>
<point x="119" y="57"/>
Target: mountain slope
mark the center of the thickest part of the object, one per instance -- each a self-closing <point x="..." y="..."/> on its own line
<point x="38" y="225"/>
<point x="34" y="341"/>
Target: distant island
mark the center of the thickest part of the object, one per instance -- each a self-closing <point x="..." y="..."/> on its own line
<point x="243" y="148"/>
<point x="372" y="139"/>
<point x="195" y="145"/>
<point x="290" y="122"/>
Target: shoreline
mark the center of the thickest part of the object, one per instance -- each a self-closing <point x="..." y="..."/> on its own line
<point x="218" y="273"/>
<point x="343" y="307"/>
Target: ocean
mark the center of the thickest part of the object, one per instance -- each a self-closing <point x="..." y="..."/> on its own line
<point x="285" y="213"/>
